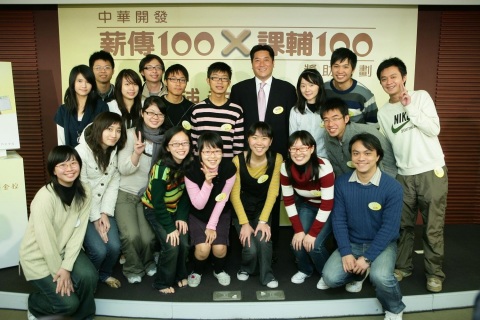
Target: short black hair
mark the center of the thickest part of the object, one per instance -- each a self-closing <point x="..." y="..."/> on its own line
<point x="370" y="142"/>
<point x="262" y="47"/>
<point x="219" y="66"/>
<point x="342" y="54"/>
<point x="147" y="59"/>
<point x="392" y="62"/>
<point x="334" y="104"/>
<point x="101" y="55"/>
<point x="176" y="68"/>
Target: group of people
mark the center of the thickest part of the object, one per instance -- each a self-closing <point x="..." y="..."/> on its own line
<point x="142" y="172"/>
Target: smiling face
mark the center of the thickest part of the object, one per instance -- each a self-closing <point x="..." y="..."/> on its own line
<point x="392" y="81"/>
<point x="179" y="146"/>
<point x="335" y="123"/>
<point x="211" y="157"/>
<point x="67" y="172"/>
<point x="365" y="160"/>
<point x="342" y="73"/>
<point x="152" y="71"/>
<point x="153" y="118"/>
<point x="103" y="71"/>
<point x="300" y="153"/>
<point x="219" y="82"/>
<point x="262" y="65"/>
<point x="129" y="89"/>
<point x="309" y="90"/>
<point x="259" y="144"/>
<point x="111" y="135"/>
<point x="82" y="86"/>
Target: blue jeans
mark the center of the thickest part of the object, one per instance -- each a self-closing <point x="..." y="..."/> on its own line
<point x="258" y="257"/>
<point x="103" y="255"/>
<point x="79" y="305"/>
<point x="316" y="258"/>
<point x="381" y="275"/>
<point x="172" y="262"/>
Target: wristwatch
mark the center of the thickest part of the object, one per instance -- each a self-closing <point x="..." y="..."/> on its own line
<point x="367" y="260"/>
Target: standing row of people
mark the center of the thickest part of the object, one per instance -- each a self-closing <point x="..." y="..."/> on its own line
<point x="217" y="129"/>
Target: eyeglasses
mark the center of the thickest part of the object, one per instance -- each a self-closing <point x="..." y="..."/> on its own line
<point x="153" y="114"/>
<point x="301" y="149"/>
<point x="181" y="80"/>
<point x="216" y="79"/>
<point x="151" y="68"/>
<point x="177" y="145"/>
<point x="68" y="165"/>
<point x="104" y="68"/>
<point x="209" y="153"/>
<point x="334" y="119"/>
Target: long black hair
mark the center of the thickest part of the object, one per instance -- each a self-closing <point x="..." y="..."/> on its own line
<point x="177" y="170"/>
<point x="70" y="97"/>
<point x="266" y="131"/>
<point x="312" y="164"/>
<point x="58" y="155"/>
<point x="311" y="76"/>
<point x="131" y="76"/>
<point x="94" y="137"/>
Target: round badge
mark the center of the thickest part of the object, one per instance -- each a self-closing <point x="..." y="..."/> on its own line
<point x="226" y="127"/>
<point x="316" y="193"/>
<point x="350" y="164"/>
<point x="186" y="125"/>
<point x="263" y="178"/>
<point x="439" y="172"/>
<point x="220" y="197"/>
<point x="277" y="110"/>
<point x="375" y="206"/>
<point x="350" y="113"/>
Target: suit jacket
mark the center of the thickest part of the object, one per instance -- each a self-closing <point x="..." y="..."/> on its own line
<point x="282" y="94"/>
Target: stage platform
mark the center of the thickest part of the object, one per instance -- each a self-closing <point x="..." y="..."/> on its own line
<point x="301" y="301"/>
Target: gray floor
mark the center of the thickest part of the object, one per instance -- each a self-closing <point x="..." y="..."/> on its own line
<point x="457" y="314"/>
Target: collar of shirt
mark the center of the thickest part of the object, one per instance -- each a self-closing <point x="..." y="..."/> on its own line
<point x="375" y="179"/>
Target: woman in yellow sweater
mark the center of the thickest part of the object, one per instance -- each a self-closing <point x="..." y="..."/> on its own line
<point x="50" y="253"/>
<point x="253" y="195"/>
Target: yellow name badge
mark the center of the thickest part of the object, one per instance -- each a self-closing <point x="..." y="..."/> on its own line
<point x="350" y="164"/>
<point x="278" y="110"/>
<point x="350" y="113"/>
<point x="439" y="172"/>
<point x="186" y="125"/>
<point x="322" y="124"/>
<point x="263" y="178"/>
<point x="316" y="193"/>
<point x="220" y="197"/>
<point x="226" y="127"/>
<point x="375" y="206"/>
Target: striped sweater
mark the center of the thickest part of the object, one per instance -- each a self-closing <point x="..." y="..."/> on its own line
<point x="226" y="120"/>
<point x="318" y="194"/>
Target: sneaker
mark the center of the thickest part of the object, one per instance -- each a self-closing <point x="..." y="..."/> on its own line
<point x="272" y="284"/>
<point x="242" y="275"/>
<point x="152" y="270"/>
<point x="299" y="277"/>
<point x="156" y="256"/>
<point x="122" y="259"/>
<point x="393" y="316"/>
<point x="322" y="285"/>
<point x="356" y="286"/>
<point x="194" y="280"/>
<point x="223" y="278"/>
<point x="399" y="274"/>
<point x="134" y="279"/>
<point x="434" y="284"/>
<point x="30" y="316"/>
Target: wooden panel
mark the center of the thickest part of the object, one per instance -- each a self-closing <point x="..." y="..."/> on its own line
<point x="18" y="45"/>
<point x="457" y="98"/>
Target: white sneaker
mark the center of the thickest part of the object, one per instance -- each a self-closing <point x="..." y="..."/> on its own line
<point x="299" y="277"/>
<point x="322" y="285"/>
<point x="156" y="256"/>
<point x="393" y="316"/>
<point x="356" y="286"/>
<point x="223" y="278"/>
<point x="30" y="316"/>
<point x="134" y="279"/>
<point x="194" y="280"/>
<point x="242" y="276"/>
<point x="272" y="284"/>
<point x="152" y="270"/>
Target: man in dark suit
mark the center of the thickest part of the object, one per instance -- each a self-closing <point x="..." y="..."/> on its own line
<point x="280" y="97"/>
